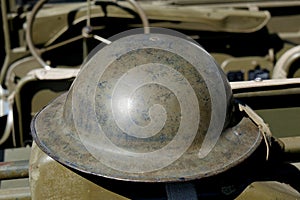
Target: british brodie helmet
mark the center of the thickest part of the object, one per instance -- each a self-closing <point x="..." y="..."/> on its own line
<point x="149" y="108"/>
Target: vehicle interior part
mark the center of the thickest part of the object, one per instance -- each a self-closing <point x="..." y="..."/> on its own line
<point x="9" y="126"/>
<point x="85" y="31"/>
<point x="20" y="193"/>
<point x="40" y="85"/>
<point x="15" y="173"/>
<point x="269" y="190"/>
<point x="230" y="185"/>
<point x="14" y="169"/>
<point x="234" y="3"/>
<point x="3" y="103"/>
<point x="275" y="100"/>
<point x="7" y="46"/>
<point x="14" y="69"/>
<point x="42" y="172"/>
<point x="247" y="68"/>
<point x="283" y="67"/>
<point x="18" y="70"/>
<point x="291" y="148"/>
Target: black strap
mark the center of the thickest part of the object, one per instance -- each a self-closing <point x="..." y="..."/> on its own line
<point x="180" y="191"/>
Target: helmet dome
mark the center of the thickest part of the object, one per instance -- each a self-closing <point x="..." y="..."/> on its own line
<point x="147" y="107"/>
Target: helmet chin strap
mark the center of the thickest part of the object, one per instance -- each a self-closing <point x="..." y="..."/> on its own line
<point x="263" y="127"/>
<point x="181" y="190"/>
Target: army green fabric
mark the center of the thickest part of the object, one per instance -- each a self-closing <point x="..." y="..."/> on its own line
<point x="269" y="190"/>
<point x="50" y="180"/>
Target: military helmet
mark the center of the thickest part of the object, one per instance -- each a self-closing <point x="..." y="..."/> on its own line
<point x="150" y="108"/>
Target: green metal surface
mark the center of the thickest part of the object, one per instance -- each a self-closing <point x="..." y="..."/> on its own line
<point x="283" y="122"/>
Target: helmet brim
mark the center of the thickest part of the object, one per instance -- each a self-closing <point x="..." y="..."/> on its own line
<point x="60" y="141"/>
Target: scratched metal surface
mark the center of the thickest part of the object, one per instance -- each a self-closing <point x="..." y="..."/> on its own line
<point x="150" y="108"/>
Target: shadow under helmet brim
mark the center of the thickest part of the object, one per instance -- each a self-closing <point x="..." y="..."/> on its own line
<point x="60" y="141"/>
